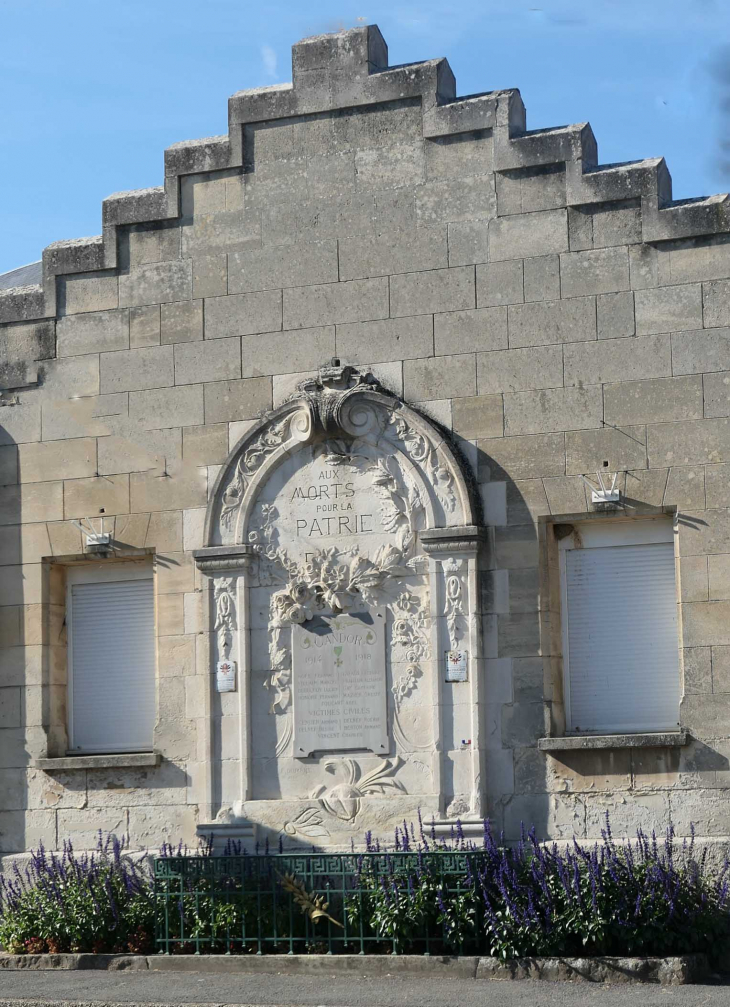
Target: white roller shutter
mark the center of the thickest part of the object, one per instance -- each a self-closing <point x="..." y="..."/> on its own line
<point x="112" y="664"/>
<point x="620" y="633"/>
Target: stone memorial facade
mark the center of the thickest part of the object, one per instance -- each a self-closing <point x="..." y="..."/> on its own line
<point x="377" y="463"/>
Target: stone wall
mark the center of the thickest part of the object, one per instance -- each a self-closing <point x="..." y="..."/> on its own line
<point x="555" y="314"/>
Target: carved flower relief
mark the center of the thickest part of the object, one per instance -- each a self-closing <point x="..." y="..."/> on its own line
<point x="342" y="800"/>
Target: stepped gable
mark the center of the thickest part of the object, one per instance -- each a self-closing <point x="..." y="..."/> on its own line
<point x="349" y="69"/>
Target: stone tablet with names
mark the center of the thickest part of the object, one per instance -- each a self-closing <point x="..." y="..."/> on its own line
<point x="339" y="684"/>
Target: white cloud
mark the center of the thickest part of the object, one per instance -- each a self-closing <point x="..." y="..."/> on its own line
<point x="268" y="57"/>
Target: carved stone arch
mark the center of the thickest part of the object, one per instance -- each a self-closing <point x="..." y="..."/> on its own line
<point x="341" y="403"/>
<point x="344" y="503"/>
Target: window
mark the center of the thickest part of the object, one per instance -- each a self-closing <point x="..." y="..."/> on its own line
<point x="110" y="612"/>
<point x="619" y="627"/>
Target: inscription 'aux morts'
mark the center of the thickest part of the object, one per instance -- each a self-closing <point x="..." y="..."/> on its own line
<point x="335" y="508"/>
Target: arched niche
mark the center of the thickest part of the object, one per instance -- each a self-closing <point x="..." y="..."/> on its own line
<point x="342" y="538"/>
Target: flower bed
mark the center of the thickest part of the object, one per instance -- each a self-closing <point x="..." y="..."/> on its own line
<point x="645" y="898"/>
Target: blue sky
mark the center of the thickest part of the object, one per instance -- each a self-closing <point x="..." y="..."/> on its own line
<point x="92" y="92"/>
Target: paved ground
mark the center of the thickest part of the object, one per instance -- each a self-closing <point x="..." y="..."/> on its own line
<point x="26" y="989"/>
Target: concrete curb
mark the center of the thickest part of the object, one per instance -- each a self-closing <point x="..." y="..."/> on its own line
<point x="676" y="971"/>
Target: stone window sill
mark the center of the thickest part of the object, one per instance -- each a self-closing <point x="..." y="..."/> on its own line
<point x="122" y="760"/>
<point x="579" y="742"/>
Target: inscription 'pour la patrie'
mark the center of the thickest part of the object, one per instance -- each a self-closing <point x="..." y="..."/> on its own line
<point x="334" y="511"/>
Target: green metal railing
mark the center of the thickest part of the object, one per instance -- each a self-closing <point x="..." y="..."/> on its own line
<point x="308" y="903"/>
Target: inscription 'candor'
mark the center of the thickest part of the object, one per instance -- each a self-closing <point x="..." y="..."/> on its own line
<point x="339" y="684"/>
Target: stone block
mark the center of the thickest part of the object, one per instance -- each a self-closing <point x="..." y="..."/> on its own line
<point x="181" y="488"/>
<point x="390" y="252"/>
<point x="691" y="261"/>
<point x="601" y="271"/>
<point x="227" y="401"/>
<point x="697" y="662"/>
<point x="25" y="830"/>
<point x="643" y="267"/>
<point x="553" y="409"/>
<point x="693" y="579"/>
<point x="707" y="624"/>
<point x="522" y="723"/>
<point x="8" y="465"/>
<point x="284" y="352"/>
<point x="149" y="827"/>
<point x="520" y="236"/>
<point x="323" y="304"/>
<point x="566" y="494"/>
<point x="519" y="370"/>
<point x="717" y="394"/>
<point x="98" y="495"/>
<point x="181" y="321"/>
<point x="211" y="233"/>
<point x="700" y="351"/>
<point x="456" y="199"/>
<point x="468" y="242"/>
<point x="210" y="275"/>
<point x="70" y="377"/>
<point x="622" y="447"/>
<point x="42" y="502"/>
<point x="615" y="315"/>
<point x="133" y="370"/>
<point x="71" y="459"/>
<point x="494" y="503"/>
<point x="242" y="314"/>
<point x="605" y="360"/>
<point x="432" y="290"/>
<point x="542" y="278"/>
<point x="10" y="707"/>
<point x="385" y="339"/>
<point x="159" y="408"/>
<point x="616" y="225"/>
<point x="156" y="283"/>
<point x="140" y="450"/>
<point x="542" y="322"/>
<point x="20" y="422"/>
<point x="440" y="377"/>
<point x="528" y="672"/>
<point x="708" y="533"/>
<point x="691" y="442"/>
<point x="531" y="189"/>
<point x="522" y="457"/>
<point x="92" y="332"/>
<point x="478" y="416"/>
<point x="686" y="488"/>
<point x="459" y="155"/>
<point x="717" y="483"/>
<point x="516" y="547"/>
<point x="719" y="578"/>
<point x="580" y="228"/>
<point x="649" y="811"/>
<point x="388" y="167"/>
<point x="716" y="303"/>
<point x="668" y="309"/>
<point x="279" y="266"/>
<point x="209" y="360"/>
<point x="87" y="292"/>
<point x="144" y="326"/>
<point x="655" y="400"/>
<point x="205" y="445"/>
<point x="721" y="669"/>
<point x="469" y="330"/>
<point x="558" y="816"/>
<point x="149" y="244"/>
<point x="331" y="175"/>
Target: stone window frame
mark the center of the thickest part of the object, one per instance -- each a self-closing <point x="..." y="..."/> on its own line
<point x="551" y="529"/>
<point x="55" y="663"/>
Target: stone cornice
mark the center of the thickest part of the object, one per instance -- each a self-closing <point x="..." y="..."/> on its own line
<point x="217" y="559"/>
